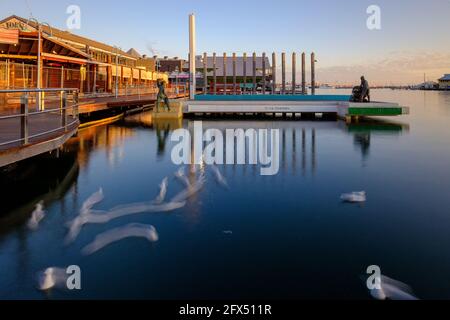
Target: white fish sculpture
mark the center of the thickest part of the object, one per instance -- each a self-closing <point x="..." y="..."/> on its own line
<point x="134" y="230"/>
<point x="51" y="278"/>
<point x="354" y="197"/>
<point x="102" y="217"/>
<point x="393" y="290"/>
<point x="162" y="191"/>
<point x="92" y="201"/>
<point x="219" y="177"/>
<point x="37" y="216"/>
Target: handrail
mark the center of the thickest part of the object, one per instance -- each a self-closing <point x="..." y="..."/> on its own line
<point x="39" y="90"/>
<point x="64" y="123"/>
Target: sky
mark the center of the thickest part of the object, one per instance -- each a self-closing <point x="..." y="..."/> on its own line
<point x="414" y="38"/>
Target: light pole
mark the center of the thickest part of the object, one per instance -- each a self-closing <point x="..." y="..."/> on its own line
<point x="39" y="57"/>
<point x="117" y="70"/>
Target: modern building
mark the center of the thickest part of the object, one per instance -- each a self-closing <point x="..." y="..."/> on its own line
<point x="444" y="82"/>
<point x="66" y="60"/>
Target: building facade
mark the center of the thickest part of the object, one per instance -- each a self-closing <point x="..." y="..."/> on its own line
<point x="66" y="60"/>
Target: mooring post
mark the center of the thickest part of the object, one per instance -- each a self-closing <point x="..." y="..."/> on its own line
<point x="254" y="73"/>
<point x="205" y="73"/>
<point x="244" y="62"/>
<point x="313" y="73"/>
<point x="264" y="73"/>
<point x="225" y="73"/>
<point x="64" y="110"/>
<point x="274" y="73"/>
<point x="283" y="73"/>
<point x="294" y="71"/>
<point x="214" y="73"/>
<point x="192" y="48"/>
<point x="234" y="74"/>
<point x="303" y="73"/>
<point x="24" y="119"/>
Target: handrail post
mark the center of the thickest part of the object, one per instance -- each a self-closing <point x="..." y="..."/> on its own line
<point x="75" y="101"/>
<point x="64" y="110"/>
<point x="24" y="118"/>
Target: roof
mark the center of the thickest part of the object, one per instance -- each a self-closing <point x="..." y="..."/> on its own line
<point x="446" y="77"/>
<point x="134" y="53"/>
<point x="68" y="36"/>
<point x="239" y="66"/>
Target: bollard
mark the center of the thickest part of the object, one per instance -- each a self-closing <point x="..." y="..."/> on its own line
<point x="245" y="71"/>
<point x="313" y="73"/>
<point x="205" y="73"/>
<point x="234" y="74"/>
<point x="264" y="73"/>
<point x="274" y="73"/>
<point x="294" y="71"/>
<point x="24" y="119"/>
<point x="214" y="73"/>
<point x="303" y="73"/>
<point x="254" y="73"/>
<point x="64" y="110"/>
<point x="225" y="73"/>
<point x="283" y="73"/>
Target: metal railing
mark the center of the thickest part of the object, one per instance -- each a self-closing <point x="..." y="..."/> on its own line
<point x="60" y="115"/>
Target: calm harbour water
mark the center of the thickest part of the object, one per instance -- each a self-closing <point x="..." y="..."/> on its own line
<point x="291" y="237"/>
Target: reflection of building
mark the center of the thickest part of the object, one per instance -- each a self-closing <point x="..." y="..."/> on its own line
<point x="67" y="60"/>
<point x="444" y="82"/>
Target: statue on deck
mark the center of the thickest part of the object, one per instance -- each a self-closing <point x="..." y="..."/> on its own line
<point x="361" y="93"/>
<point x="365" y="90"/>
<point x="162" y="96"/>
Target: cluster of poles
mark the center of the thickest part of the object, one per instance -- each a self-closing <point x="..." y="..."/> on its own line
<point x="252" y="74"/>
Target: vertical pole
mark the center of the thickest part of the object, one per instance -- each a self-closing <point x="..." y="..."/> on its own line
<point x="274" y="73"/>
<point x="192" y="48"/>
<point x="76" y="100"/>
<point x="23" y="76"/>
<point x="234" y="74"/>
<point x="215" y="73"/>
<point x="283" y="73"/>
<point x="205" y="73"/>
<point x="8" y="81"/>
<point x="264" y="73"/>
<point x="39" y="69"/>
<point x="64" y="110"/>
<point x="225" y="73"/>
<point x="303" y="73"/>
<point x="244" y="62"/>
<point x="294" y="71"/>
<point x="62" y="77"/>
<point x="254" y="73"/>
<point x="24" y="119"/>
<point x="313" y="73"/>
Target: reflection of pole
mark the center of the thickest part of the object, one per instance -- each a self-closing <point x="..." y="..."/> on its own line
<point x="303" y="151"/>
<point x="313" y="149"/>
<point x="294" y="150"/>
<point x="192" y="68"/>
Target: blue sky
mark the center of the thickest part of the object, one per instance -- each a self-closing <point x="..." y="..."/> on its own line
<point x="414" y="38"/>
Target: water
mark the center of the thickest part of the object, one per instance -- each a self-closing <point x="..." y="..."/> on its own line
<point x="282" y="236"/>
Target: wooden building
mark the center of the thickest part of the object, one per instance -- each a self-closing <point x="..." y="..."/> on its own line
<point x="67" y="60"/>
